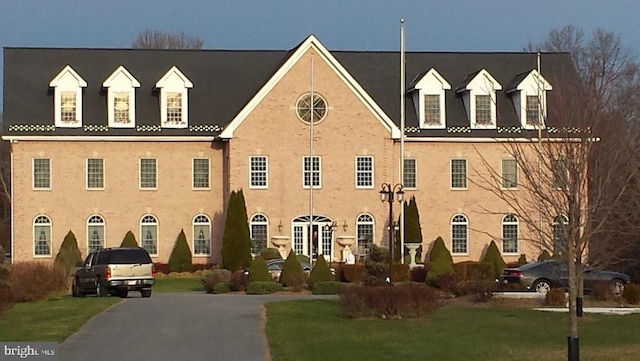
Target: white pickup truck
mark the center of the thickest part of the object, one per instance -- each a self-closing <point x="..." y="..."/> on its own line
<point x="115" y="271"/>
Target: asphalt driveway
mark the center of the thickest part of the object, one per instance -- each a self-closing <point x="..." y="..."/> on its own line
<point x="176" y="327"/>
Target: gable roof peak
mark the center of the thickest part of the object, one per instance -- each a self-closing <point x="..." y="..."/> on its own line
<point x="65" y="73"/>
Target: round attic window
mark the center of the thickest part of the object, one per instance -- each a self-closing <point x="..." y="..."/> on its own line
<point x="305" y="106"/>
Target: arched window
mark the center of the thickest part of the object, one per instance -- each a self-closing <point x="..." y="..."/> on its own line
<point x="459" y="234"/>
<point x="559" y="229"/>
<point x="201" y="235"/>
<point x="510" y="234"/>
<point x="364" y="228"/>
<point x="95" y="233"/>
<point x="149" y="234"/>
<point x="259" y="226"/>
<point x="42" y="236"/>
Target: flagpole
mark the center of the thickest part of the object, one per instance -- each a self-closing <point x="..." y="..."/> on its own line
<point x="311" y="170"/>
<point x="402" y="126"/>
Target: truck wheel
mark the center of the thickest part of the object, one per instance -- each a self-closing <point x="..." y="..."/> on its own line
<point x="76" y="291"/>
<point x="145" y="293"/>
<point x="101" y="290"/>
<point x="123" y="293"/>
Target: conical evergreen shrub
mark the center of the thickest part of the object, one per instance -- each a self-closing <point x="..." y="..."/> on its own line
<point x="180" y="259"/>
<point x="544" y="256"/>
<point x="292" y="274"/>
<point x="129" y="240"/>
<point x="522" y="260"/>
<point x="69" y="256"/>
<point x="258" y="272"/>
<point x="440" y="261"/>
<point x="494" y="258"/>
<point x="236" y="240"/>
<point x="320" y="272"/>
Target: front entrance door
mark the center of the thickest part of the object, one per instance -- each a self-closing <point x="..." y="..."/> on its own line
<point x="313" y="238"/>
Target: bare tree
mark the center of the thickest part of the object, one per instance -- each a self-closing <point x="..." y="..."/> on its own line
<point x="157" y="39"/>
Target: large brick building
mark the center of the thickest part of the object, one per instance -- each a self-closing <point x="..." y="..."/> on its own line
<point x="106" y="141"/>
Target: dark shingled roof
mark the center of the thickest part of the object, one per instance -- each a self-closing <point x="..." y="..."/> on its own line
<point x="226" y="80"/>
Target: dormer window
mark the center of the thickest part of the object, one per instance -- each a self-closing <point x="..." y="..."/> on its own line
<point x="121" y="98"/>
<point x="67" y="98"/>
<point x="428" y="96"/>
<point x="174" y="99"/>
<point x="479" y="95"/>
<point x="529" y="94"/>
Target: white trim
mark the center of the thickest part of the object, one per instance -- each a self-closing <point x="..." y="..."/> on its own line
<point x="493" y="140"/>
<point x="311" y="157"/>
<point x="166" y="84"/>
<point x="157" y="224"/>
<point x="193" y="235"/>
<point x="115" y="85"/>
<point x="415" y="162"/>
<point x="314" y="45"/>
<point x="140" y="187"/>
<point x="502" y="187"/>
<point x="193" y="172"/>
<point x="67" y="80"/>
<point x="355" y="161"/>
<point x="517" y="224"/>
<point x="86" y="184"/>
<point x="266" y="159"/>
<point x="483" y="83"/>
<point x="104" y="230"/>
<point x="85" y="138"/>
<point x="466" y="223"/>
<point x="33" y="175"/>
<point x="431" y="83"/>
<point x="33" y="237"/>
<point x="466" y="174"/>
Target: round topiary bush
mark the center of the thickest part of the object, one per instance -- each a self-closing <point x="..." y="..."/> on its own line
<point x="263" y="288"/>
<point x="328" y="288"/>
<point x="270" y="253"/>
<point x="258" y="272"/>
<point x="221" y="287"/>
<point x="320" y="273"/>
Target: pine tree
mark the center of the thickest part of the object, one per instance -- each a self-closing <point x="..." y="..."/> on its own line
<point x="180" y="258"/>
<point x="236" y="241"/>
<point x="292" y="274"/>
<point x="412" y="230"/>
<point x="440" y="261"/>
<point x="320" y="272"/>
<point x="69" y="256"/>
<point x="129" y="240"/>
<point x="494" y="258"/>
<point x="258" y="272"/>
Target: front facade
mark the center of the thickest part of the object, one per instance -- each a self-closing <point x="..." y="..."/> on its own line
<point x="107" y="141"/>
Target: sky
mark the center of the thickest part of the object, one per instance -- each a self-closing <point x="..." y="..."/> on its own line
<point x="443" y="25"/>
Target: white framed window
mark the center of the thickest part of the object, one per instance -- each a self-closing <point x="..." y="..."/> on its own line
<point x="149" y="234"/>
<point x="258" y="172"/>
<point x="41" y="173"/>
<point x="305" y="104"/>
<point x="459" y="235"/>
<point x="533" y="110"/>
<point x="95" y="173"/>
<point x="483" y="110"/>
<point x="364" y="172"/>
<point x="410" y="180"/>
<point x="42" y="236"/>
<point x="479" y="97"/>
<point x="365" y="227"/>
<point x="174" y="102"/>
<point x="509" y="174"/>
<point x="121" y="98"/>
<point x="510" y="234"/>
<point x="201" y="173"/>
<point x="529" y="95"/>
<point x="429" y="99"/>
<point x="148" y="173"/>
<point x="259" y="227"/>
<point x="458" y="173"/>
<point x="311" y="172"/>
<point x="95" y="233"/>
<point x="67" y="98"/>
<point x="201" y="235"/>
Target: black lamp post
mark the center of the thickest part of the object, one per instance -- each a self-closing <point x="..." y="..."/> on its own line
<point x="387" y="192"/>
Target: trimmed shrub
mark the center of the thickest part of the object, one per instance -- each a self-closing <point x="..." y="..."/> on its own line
<point x="352" y="273"/>
<point x="418" y="274"/>
<point x="258" y="272"/>
<point x="34" y="281"/>
<point x="236" y="239"/>
<point x="544" y="256"/>
<point x="320" y="273"/>
<point x="494" y="258"/>
<point x="180" y="258"/>
<point x="632" y="294"/>
<point x="263" y="288"/>
<point x="328" y="288"/>
<point x="440" y="261"/>
<point x="221" y="287"/>
<point x="69" y="256"/>
<point x="161" y="268"/>
<point x="400" y="272"/>
<point x="409" y="299"/>
<point x="292" y="274"/>
<point x="129" y="240"/>
<point x="376" y="266"/>
<point x="472" y="271"/>
<point x="303" y="259"/>
<point x="480" y="291"/>
<point x="555" y="297"/>
<point x="238" y="281"/>
<point x="216" y="276"/>
<point x="522" y="260"/>
<point x="270" y="253"/>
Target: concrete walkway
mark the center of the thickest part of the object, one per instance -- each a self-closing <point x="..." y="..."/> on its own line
<point x="177" y="326"/>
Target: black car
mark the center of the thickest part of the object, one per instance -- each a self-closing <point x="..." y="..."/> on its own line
<point x="544" y="275"/>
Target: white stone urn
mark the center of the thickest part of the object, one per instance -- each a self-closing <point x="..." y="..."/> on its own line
<point x="281" y="243"/>
<point x="412" y="253"/>
<point x="347" y="253"/>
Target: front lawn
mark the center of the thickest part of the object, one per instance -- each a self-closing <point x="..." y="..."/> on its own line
<point x="317" y="330"/>
<point x="178" y="284"/>
<point x="53" y="320"/>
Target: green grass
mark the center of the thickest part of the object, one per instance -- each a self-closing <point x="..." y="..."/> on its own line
<point x="53" y="320"/>
<point x="317" y="330"/>
<point x="181" y="284"/>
